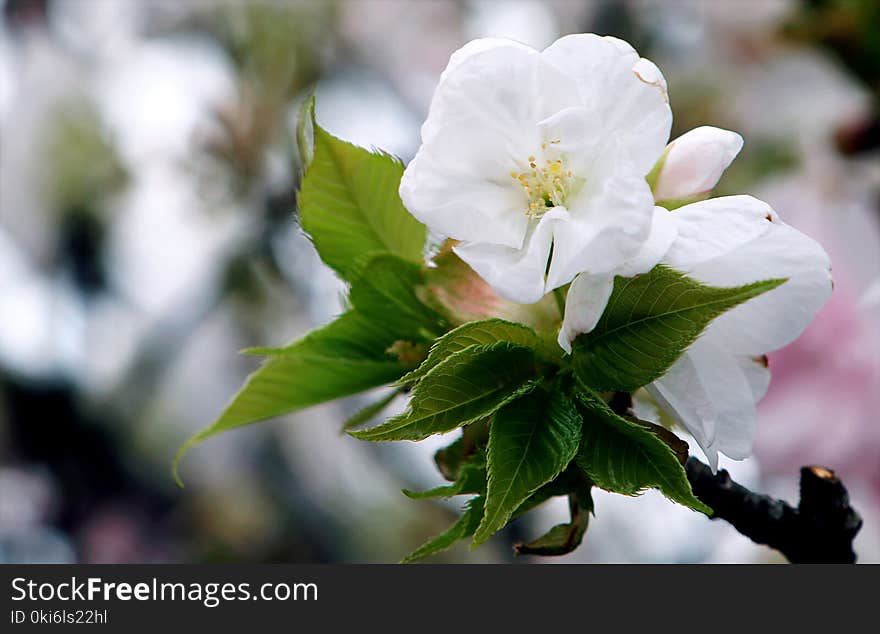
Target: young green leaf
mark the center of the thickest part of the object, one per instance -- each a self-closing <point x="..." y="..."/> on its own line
<point x="531" y="441"/>
<point x="572" y="481"/>
<point x="451" y="459"/>
<point x="471" y="479"/>
<point x="342" y="358"/>
<point x="649" y="321"/>
<point x="624" y="457"/>
<point x="474" y="333"/>
<point x="559" y="540"/>
<point x="349" y="205"/>
<point x="562" y="538"/>
<point x="464" y="388"/>
<point x="463" y="528"/>
<point x="385" y="292"/>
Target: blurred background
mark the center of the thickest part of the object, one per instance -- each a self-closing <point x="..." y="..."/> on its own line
<point x="148" y="232"/>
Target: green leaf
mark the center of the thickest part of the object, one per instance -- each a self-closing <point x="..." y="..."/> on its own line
<point x="624" y="457"/>
<point x="369" y="412"/>
<point x="451" y="459"/>
<point x="471" y="479"/>
<point x="463" y="528"/>
<point x="385" y="292"/>
<point x="571" y="482"/>
<point x="464" y="388"/>
<point x="349" y="336"/>
<point x="649" y="321"/>
<point x="531" y="441"/>
<point x="562" y="538"/>
<point x="349" y="205"/>
<point x="474" y="333"/>
<point x="559" y="540"/>
<point x="345" y="357"/>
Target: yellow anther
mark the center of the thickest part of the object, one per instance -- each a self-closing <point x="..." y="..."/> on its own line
<point x="546" y="185"/>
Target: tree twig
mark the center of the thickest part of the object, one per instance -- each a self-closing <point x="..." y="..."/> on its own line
<point x="820" y="530"/>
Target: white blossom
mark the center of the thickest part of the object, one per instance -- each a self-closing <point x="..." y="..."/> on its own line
<point x="713" y="388"/>
<point x="536" y="161"/>
<point x="715" y="385"/>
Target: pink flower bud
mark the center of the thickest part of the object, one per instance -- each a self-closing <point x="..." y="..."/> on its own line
<point x="694" y="162"/>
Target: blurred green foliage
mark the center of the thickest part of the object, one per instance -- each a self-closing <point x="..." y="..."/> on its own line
<point x="83" y="166"/>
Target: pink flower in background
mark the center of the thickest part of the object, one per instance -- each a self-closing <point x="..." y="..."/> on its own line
<point x="823" y="405"/>
<point x="827" y="389"/>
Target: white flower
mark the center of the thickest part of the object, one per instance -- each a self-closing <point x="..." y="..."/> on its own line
<point x="525" y="153"/>
<point x="693" y="163"/>
<point x="713" y="388"/>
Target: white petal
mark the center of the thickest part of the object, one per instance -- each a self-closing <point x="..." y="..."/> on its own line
<point x="501" y="85"/>
<point x="731" y="394"/>
<point x="611" y="219"/>
<point x="713" y="394"/>
<point x="476" y="47"/>
<point x="460" y="187"/>
<point x="579" y="135"/>
<point x="680" y="393"/>
<point x="695" y="162"/>
<point x="712" y="228"/>
<point x="627" y="94"/>
<point x="774" y="319"/>
<point x="647" y="71"/>
<point x="664" y="231"/>
<point x="516" y="274"/>
<point x="584" y="304"/>
<point x="757" y="373"/>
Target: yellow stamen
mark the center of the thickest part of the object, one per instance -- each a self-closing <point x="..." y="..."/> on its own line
<point x="546" y="186"/>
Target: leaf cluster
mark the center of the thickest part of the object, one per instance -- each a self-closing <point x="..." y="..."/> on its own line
<point x="535" y="423"/>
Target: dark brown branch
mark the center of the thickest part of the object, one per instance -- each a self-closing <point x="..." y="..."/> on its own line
<point x="820" y="530"/>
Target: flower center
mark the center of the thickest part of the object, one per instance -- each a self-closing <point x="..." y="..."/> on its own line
<point x="546" y="183"/>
